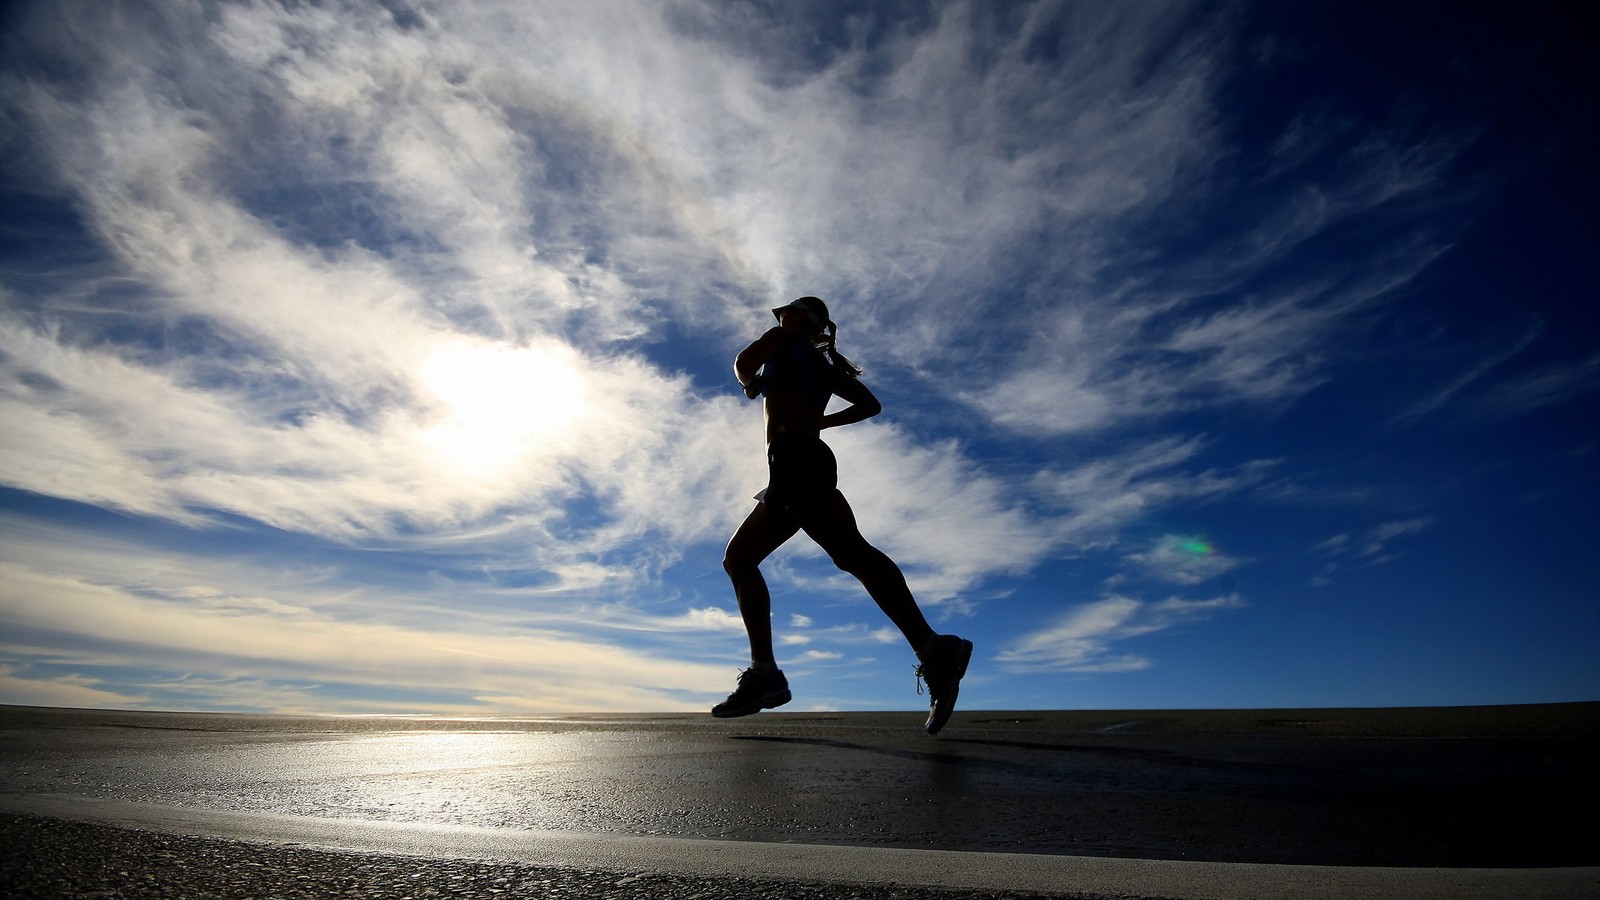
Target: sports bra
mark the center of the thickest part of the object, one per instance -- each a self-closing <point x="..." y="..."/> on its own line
<point x="799" y="368"/>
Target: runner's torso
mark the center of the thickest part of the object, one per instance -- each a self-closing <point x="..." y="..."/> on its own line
<point x="797" y="382"/>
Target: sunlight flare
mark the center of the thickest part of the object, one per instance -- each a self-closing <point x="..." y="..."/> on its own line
<point x="500" y="402"/>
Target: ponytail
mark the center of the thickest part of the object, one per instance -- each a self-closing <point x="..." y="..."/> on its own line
<point x="824" y="334"/>
<point x="825" y="341"/>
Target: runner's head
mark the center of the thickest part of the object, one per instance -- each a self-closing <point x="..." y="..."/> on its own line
<point x="814" y="310"/>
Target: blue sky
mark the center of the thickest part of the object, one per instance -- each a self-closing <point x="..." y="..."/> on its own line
<point x="375" y="358"/>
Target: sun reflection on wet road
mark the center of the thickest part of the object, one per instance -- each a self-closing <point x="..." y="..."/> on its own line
<point x="846" y="779"/>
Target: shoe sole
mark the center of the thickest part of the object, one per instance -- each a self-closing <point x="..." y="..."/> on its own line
<point x="765" y="701"/>
<point x="934" y="727"/>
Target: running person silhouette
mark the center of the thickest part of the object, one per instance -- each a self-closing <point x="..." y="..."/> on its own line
<point x="797" y="368"/>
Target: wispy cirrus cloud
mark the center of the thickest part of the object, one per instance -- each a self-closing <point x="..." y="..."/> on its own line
<point x="1479" y="369"/>
<point x="1094" y="500"/>
<point x="1541" y="387"/>
<point x="1086" y="638"/>
<point x="296" y="390"/>
<point x="1367" y="548"/>
<point x="430" y="144"/>
<point x="288" y="626"/>
<point x="70" y="690"/>
<point x="1182" y="559"/>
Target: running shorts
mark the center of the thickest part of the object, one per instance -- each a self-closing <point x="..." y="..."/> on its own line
<point x="798" y="468"/>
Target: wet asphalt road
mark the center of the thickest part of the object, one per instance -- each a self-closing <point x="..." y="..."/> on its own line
<point x="1406" y="793"/>
<point x="1421" y="788"/>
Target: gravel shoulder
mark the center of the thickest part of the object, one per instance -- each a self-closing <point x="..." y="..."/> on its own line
<point x="47" y="858"/>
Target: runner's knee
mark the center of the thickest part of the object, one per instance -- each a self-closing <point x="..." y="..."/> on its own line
<point x="737" y="564"/>
<point x="854" y="557"/>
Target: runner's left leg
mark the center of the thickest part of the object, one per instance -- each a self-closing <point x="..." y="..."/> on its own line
<point x="763" y="531"/>
<point x="829" y="520"/>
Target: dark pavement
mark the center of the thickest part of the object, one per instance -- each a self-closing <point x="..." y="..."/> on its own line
<point x="1479" y="789"/>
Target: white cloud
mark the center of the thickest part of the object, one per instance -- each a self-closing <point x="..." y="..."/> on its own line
<point x="1094" y="363"/>
<point x="70" y="691"/>
<point x="549" y="670"/>
<point x="712" y="618"/>
<point x="821" y="655"/>
<point x="946" y="522"/>
<point x="887" y="636"/>
<point x="1184" y="560"/>
<point x="1475" y="372"/>
<point x="1084" y="638"/>
<point x="428" y="192"/>
<point x="173" y="622"/>
<point x="1369" y="548"/>
<point x="1099" y="497"/>
<point x="377" y="392"/>
<point x="1375" y="544"/>
<point x="1545" y="386"/>
<point x="1333" y="544"/>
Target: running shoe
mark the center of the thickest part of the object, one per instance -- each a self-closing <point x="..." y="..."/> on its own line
<point x="944" y="662"/>
<point x="756" y="691"/>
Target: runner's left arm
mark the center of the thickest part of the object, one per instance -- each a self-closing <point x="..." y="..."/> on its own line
<point x="863" y="404"/>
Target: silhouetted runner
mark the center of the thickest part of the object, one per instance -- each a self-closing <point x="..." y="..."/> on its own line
<point x="797" y="368"/>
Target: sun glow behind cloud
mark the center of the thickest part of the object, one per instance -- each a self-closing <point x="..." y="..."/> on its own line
<point x="502" y="403"/>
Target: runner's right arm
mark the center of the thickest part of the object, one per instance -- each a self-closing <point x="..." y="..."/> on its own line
<point x="752" y="358"/>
